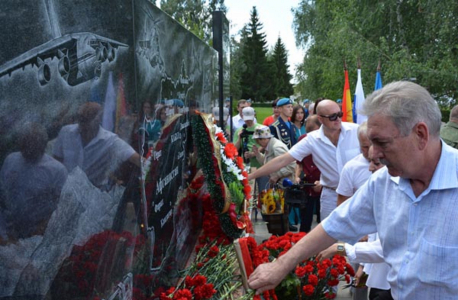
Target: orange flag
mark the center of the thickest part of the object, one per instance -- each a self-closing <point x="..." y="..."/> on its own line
<point x="346" y="101"/>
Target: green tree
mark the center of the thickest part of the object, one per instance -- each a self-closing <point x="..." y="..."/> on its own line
<point x="255" y="72"/>
<point x="414" y="40"/>
<point x="237" y="67"/>
<point x="194" y="15"/>
<point x="280" y="73"/>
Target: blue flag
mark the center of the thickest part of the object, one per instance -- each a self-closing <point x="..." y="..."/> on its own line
<point x="378" y="81"/>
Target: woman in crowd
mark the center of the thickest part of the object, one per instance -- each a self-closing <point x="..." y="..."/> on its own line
<point x="298" y="119"/>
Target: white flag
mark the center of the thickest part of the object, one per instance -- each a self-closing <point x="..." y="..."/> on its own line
<point x="359" y="99"/>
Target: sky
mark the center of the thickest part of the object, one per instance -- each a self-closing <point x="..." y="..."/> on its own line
<point x="277" y="20"/>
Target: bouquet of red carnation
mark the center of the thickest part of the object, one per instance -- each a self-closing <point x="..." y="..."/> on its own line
<point x="212" y="275"/>
<point x="194" y="288"/>
<point x="311" y="279"/>
<point x="318" y="278"/>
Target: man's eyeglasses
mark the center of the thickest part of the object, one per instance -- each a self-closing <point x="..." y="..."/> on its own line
<point x="334" y="116"/>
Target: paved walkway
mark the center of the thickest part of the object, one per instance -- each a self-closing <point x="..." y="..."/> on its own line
<point x="261" y="234"/>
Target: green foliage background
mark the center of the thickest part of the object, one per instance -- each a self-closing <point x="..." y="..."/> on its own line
<point x="412" y="39"/>
<point x="257" y="73"/>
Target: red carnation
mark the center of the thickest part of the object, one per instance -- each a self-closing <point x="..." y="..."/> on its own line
<point x="322" y="273"/>
<point x="220" y="136"/>
<point x="199" y="280"/>
<point x="308" y="289"/>
<point x="300" y="272"/>
<point x="308" y="268"/>
<point x="326" y="263"/>
<point x="208" y="291"/>
<point x="341" y="269"/>
<point x="313" y="279"/>
<point x="247" y="191"/>
<point x="183" y="294"/>
<point x="188" y="281"/>
<point x="230" y="151"/>
<point x="350" y="270"/>
<point x="213" y="251"/>
<point x="329" y="295"/>
<point x="333" y="282"/>
<point x="334" y="273"/>
<point x="239" y="162"/>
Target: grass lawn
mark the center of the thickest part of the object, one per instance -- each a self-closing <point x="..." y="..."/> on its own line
<point x="262" y="113"/>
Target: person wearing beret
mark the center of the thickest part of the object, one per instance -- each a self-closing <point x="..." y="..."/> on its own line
<point x="282" y="129"/>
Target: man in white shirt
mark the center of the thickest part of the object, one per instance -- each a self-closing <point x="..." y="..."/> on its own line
<point x="332" y="146"/>
<point x="96" y="151"/>
<point x="370" y="253"/>
<point x="412" y="203"/>
<point x="237" y="120"/>
<point x="355" y="172"/>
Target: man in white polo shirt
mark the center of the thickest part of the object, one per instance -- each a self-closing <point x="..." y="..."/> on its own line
<point x="332" y="146"/>
<point x="356" y="172"/>
<point x="237" y="120"/>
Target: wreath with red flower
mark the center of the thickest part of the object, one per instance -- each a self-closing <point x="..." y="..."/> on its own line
<point x="225" y="175"/>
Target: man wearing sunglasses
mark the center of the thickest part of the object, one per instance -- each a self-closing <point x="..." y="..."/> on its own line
<point x="332" y="146"/>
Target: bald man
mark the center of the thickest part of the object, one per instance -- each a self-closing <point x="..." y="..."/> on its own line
<point x="332" y="146"/>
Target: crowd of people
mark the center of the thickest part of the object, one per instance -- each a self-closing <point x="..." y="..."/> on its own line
<point x="389" y="189"/>
<point x="385" y="192"/>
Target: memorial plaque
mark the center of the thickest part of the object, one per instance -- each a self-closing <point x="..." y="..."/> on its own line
<point x="96" y="149"/>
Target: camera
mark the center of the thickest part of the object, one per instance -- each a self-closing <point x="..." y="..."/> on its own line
<point x="244" y="139"/>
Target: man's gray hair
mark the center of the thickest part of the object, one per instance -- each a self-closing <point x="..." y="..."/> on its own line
<point x="406" y="103"/>
<point x="362" y="129"/>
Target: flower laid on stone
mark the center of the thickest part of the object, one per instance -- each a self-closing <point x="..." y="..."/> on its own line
<point x="311" y="279"/>
<point x="212" y="275"/>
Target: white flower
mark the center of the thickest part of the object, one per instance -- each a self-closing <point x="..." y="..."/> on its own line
<point x="217" y="129"/>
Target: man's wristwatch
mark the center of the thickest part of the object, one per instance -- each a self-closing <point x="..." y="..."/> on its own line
<point x="341" y="249"/>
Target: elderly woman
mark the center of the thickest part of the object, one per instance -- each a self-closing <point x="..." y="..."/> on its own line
<point x="273" y="148"/>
